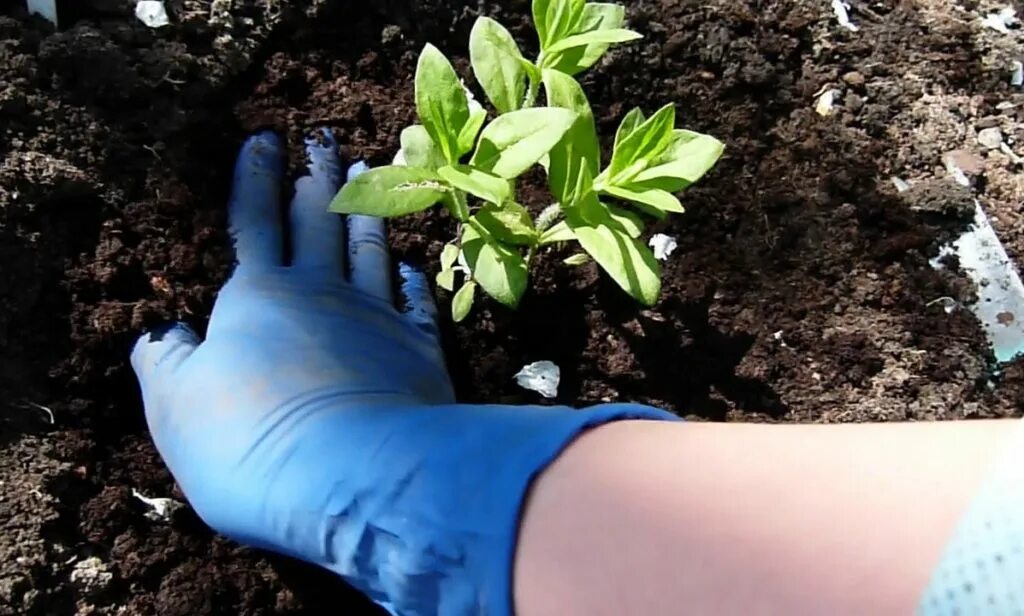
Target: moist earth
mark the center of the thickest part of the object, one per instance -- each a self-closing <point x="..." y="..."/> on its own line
<point x="801" y="289"/>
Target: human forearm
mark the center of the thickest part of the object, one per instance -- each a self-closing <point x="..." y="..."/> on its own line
<point x="639" y="517"/>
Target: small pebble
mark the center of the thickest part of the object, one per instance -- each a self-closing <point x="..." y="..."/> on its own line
<point x="987" y="122"/>
<point x="990" y="138"/>
<point x="854" y="78"/>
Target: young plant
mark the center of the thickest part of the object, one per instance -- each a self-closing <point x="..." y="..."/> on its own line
<point x="598" y="204"/>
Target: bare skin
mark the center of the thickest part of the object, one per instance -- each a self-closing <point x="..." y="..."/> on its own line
<point x="653" y="518"/>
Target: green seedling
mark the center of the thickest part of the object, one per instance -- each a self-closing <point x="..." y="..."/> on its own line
<point x="455" y="157"/>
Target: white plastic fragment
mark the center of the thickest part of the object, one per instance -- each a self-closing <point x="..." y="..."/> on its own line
<point x="1001" y="21"/>
<point x="1000" y="305"/>
<point x="663" y="246"/>
<point x="841" y="9"/>
<point x="948" y="304"/>
<point x="161" y="509"/>
<point x="1017" y="78"/>
<point x="542" y="377"/>
<point x="826" y="102"/>
<point x="958" y="174"/>
<point x="47" y="9"/>
<point x="153" y="13"/>
<point x="900" y="184"/>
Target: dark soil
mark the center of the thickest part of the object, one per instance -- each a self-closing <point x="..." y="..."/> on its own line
<point x="801" y="290"/>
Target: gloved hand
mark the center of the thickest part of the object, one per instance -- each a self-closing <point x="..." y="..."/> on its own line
<point x="318" y="421"/>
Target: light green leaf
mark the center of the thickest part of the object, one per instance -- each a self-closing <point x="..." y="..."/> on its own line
<point x="449" y="255"/>
<point x="579" y="148"/>
<point x="627" y="260"/>
<point x="500" y="270"/>
<point x="626" y="221"/>
<point x="558" y="233"/>
<point x="420" y="150"/>
<point x="467" y="136"/>
<point x="597" y="37"/>
<point x="556" y="19"/>
<point x="653" y="197"/>
<point x="498" y="64"/>
<point x="478" y="183"/>
<point x="596" y="16"/>
<point x="455" y="203"/>
<point x="577" y="259"/>
<point x="687" y="159"/>
<point x="446" y="279"/>
<point x="630" y="123"/>
<point x="510" y="223"/>
<point x="515" y="141"/>
<point x="440" y="101"/>
<point x="389" y="191"/>
<point x="462" y="303"/>
<point x="643" y="145"/>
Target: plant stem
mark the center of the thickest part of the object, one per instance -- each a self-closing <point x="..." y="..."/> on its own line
<point x="531" y="94"/>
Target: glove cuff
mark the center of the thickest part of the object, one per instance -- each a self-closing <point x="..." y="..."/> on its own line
<point x="514" y="449"/>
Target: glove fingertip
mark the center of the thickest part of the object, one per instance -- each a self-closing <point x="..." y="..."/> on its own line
<point x="357" y="169"/>
<point x="419" y="297"/>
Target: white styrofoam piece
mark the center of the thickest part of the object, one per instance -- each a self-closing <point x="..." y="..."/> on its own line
<point x="841" y="9"/>
<point x="153" y="13"/>
<point x="542" y="377"/>
<point x="46" y="8"/>
<point x="663" y="246"/>
<point x="1000" y="305"/>
<point x="161" y="509"/>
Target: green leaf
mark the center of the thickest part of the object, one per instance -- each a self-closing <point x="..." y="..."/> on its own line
<point x="446" y="279"/>
<point x="597" y="37"/>
<point x="515" y="141"/>
<point x="500" y="270"/>
<point x="627" y="260"/>
<point x="462" y="303"/>
<point x="440" y="101"/>
<point x="577" y="259"/>
<point x="455" y="203"/>
<point x="558" y="233"/>
<point x="498" y="64"/>
<point x="449" y="255"/>
<point x="643" y="145"/>
<point x="556" y="19"/>
<point x="389" y="191"/>
<point x="687" y="159"/>
<point x="510" y="224"/>
<point x="478" y="183"/>
<point x="653" y="197"/>
<point x="630" y="123"/>
<point x="420" y="150"/>
<point x="467" y="136"/>
<point x="625" y="221"/>
<point x="596" y="16"/>
<point x="579" y="148"/>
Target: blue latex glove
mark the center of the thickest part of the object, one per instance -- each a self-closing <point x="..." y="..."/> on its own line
<point x="318" y="421"/>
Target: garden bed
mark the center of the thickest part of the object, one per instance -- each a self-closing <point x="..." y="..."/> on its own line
<point x="801" y="289"/>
